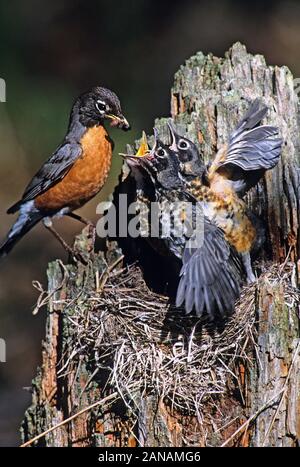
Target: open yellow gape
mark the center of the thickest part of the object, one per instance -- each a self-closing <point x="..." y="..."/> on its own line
<point x="143" y="148"/>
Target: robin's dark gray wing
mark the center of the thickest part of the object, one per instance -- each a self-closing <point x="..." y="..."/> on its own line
<point x="251" y="150"/>
<point x="52" y="171"/>
<point x="252" y="118"/>
<point x="209" y="275"/>
<point x="255" y="149"/>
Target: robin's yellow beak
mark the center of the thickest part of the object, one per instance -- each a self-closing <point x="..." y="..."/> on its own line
<point x="118" y="121"/>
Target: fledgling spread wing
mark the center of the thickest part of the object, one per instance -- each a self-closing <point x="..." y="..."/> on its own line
<point x="252" y="149"/>
<point x="209" y="275"/>
<point x="52" y="171"/>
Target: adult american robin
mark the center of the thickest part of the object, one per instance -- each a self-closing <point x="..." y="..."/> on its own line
<point x="209" y="277"/>
<point x="75" y="172"/>
<point x="238" y="166"/>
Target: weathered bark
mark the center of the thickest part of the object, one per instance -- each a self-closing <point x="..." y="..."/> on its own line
<point x="208" y="98"/>
<point x="206" y="93"/>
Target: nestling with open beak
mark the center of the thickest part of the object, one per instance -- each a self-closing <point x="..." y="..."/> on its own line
<point x="209" y="278"/>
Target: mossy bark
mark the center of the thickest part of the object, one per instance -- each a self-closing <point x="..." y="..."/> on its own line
<point x="208" y="97"/>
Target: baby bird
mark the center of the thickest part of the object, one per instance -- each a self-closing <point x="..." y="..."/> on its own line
<point x="238" y="166"/>
<point x="209" y="276"/>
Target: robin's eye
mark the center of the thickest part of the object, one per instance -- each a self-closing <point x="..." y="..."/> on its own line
<point x="101" y="106"/>
<point x="183" y="144"/>
<point x="161" y="152"/>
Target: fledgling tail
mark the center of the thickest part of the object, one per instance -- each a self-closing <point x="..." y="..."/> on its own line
<point x="29" y="216"/>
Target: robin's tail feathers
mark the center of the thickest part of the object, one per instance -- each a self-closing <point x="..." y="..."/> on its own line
<point x="209" y="276"/>
<point x="14" y="208"/>
<point x="29" y="216"/>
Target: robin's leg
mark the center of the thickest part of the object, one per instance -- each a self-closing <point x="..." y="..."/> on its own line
<point x="48" y="224"/>
<point x="79" y="218"/>
<point x="248" y="268"/>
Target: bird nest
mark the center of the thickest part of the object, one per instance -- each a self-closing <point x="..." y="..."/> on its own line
<point x="143" y="345"/>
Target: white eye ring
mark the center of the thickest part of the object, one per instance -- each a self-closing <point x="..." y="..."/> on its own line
<point x="182" y="144"/>
<point x="161" y="152"/>
<point x="101" y="106"/>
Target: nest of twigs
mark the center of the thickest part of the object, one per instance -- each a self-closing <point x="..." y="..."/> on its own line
<point x="143" y="345"/>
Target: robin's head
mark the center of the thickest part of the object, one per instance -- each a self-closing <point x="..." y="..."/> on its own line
<point x="158" y="166"/>
<point x="190" y="159"/>
<point x="100" y="104"/>
<point x="163" y="166"/>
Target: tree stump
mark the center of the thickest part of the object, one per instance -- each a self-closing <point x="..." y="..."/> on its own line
<point x="121" y="367"/>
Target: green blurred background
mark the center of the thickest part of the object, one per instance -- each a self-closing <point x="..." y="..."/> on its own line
<point x="50" y="53"/>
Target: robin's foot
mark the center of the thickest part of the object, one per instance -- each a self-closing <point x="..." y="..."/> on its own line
<point x="76" y="255"/>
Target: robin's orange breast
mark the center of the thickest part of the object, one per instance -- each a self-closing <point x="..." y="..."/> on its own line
<point x="86" y="177"/>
